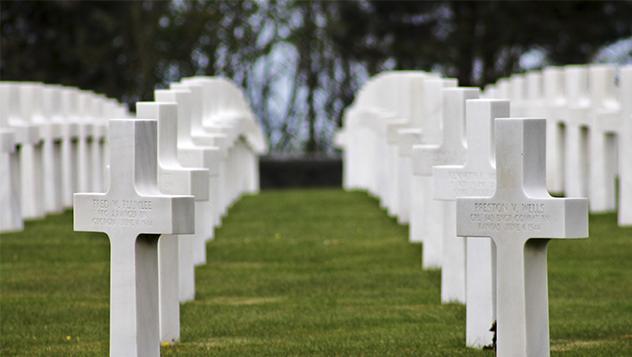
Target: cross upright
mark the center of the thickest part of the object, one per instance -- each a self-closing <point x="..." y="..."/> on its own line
<point x="625" y="148"/>
<point x="85" y="127"/>
<point x="477" y="177"/>
<point x="21" y="110"/>
<point x="554" y="107"/>
<point x="11" y="218"/>
<point x="422" y="186"/>
<point x="202" y="137"/>
<point x="577" y="120"/>
<point x="451" y="151"/>
<point x="175" y="253"/>
<point x="521" y="217"/>
<point x="133" y="213"/>
<point x="605" y="124"/>
<point x="70" y="130"/>
<point x="192" y="155"/>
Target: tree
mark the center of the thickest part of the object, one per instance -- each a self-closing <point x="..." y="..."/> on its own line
<point x="299" y="62"/>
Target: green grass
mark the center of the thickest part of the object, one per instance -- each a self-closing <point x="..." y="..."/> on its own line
<point x="312" y="272"/>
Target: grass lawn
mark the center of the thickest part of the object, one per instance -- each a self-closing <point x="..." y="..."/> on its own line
<point x="311" y="272"/>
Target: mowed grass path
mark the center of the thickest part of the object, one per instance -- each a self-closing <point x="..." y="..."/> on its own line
<point x="315" y="272"/>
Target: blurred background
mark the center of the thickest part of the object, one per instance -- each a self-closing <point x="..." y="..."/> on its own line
<point x="299" y="62"/>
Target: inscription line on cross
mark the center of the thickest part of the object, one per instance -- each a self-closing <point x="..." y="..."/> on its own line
<point x="477" y="177"/>
<point x="521" y="217"/>
<point x="133" y="213"/>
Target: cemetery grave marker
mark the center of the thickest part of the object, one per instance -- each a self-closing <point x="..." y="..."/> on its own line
<point x="625" y="147"/>
<point x="422" y="185"/>
<point x="555" y="104"/>
<point x="70" y="130"/>
<point x="30" y="152"/>
<point x="85" y="122"/>
<point x="192" y="251"/>
<point x="133" y="213"/>
<point x="412" y="109"/>
<point x="577" y="120"/>
<point x="43" y="106"/>
<point x="99" y="129"/>
<point x="173" y="179"/>
<point x="477" y="177"/>
<point x="10" y="193"/>
<point x="214" y="144"/>
<point x="521" y="217"/>
<point x="11" y="218"/>
<point x="451" y="151"/>
<point x="606" y="122"/>
<point x="211" y="126"/>
<point x="407" y="138"/>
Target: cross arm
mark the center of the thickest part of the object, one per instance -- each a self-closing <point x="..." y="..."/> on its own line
<point x="556" y="218"/>
<point x="427" y="156"/>
<point x="407" y="138"/>
<point x="206" y="157"/>
<point x="195" y="179"/>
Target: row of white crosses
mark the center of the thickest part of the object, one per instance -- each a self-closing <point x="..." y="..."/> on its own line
<point x="471" y="170"/>
<point x="52" y="145"/>
<point x="174" y="171"/>
<point x="588" y="110"/>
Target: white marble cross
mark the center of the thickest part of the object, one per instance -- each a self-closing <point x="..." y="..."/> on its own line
<point x="216" y="142"/>
<point x="477" y="177"/>
<point x="43" y="107"/>
<point x="453" y="250"/>
<point x="177" y="180"/>
<point x="625" y="147"/>
<point x="206" y="100"/>
<point x="521" y="217"/>
<point x="70" y="130"/>
<point x="407" y="138"/>
<point x="85" y="132"/>
<point x="10" y="202"/>
<point x="605" y="124"/>
<point x="451" y="151"/>
<point x="11" y="217"/>
<point x="133" y="213"/>
<point x="192" y="156"/>
<point x="421" y="185"/>
<point x="30" y="153"/>
<point x="555" y="104"/>
<point x="99" y="129"/>
<point x="577" y="120"/>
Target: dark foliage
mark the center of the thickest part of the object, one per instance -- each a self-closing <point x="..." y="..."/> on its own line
<point x="299" y="61"/>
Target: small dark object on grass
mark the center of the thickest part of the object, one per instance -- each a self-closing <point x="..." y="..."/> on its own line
<point x="493" y="345"/>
